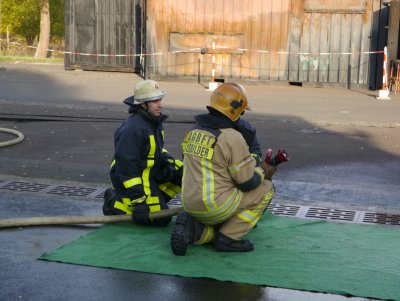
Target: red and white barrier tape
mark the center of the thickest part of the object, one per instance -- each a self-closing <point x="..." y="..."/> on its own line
<point x="107" y="55"/>
<point x="302" y="53"/>
<point x="198" y="49"/>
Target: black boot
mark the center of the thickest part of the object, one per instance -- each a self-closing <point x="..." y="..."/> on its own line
<point x="109" y="197"/>
<point x="186" y="230"/>
<point x="224" y="243"/>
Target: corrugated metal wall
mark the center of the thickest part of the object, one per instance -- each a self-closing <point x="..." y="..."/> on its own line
<point x="337" y="38"/>
<point x="295" y="40"/>
<point x="103" y="34"/>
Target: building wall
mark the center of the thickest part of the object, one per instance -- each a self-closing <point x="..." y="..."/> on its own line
<point x="317" y="41"/>
<point x="103" y="34"/>
<point x="323" y="41"/>
<point x="264" y="25"/>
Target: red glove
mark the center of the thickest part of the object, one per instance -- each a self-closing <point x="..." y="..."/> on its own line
<point x="268" y="156"/>
<point x="280" y="157"/>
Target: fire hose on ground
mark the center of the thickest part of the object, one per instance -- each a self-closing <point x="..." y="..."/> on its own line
<point x="69" y="220"/>
<point x="19" y="138"/>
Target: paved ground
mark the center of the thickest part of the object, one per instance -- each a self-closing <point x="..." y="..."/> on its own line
<point x="344" y="147"/>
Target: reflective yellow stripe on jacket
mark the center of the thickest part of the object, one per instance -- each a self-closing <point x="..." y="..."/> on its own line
<point x="208" y="185"/>
<point x="236" y="167"/>
<point x="150" y="164"/>
<point x="152" y="201"/>
<point x="132" y="182"/>
<point x="125" y="205"/>
<point x="170" y="189"/>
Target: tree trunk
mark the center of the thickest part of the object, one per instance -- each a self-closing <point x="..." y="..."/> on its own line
<point x="44" y="37"/>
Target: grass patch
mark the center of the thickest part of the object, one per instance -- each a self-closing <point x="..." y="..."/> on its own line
<point x="31" y="59"/>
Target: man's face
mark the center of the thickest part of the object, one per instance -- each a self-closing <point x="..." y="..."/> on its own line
<point x="154" y="107"/>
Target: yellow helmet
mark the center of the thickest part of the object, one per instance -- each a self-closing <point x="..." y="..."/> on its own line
<point x="230" y="99"/>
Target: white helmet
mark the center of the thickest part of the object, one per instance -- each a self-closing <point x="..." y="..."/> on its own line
<point x="145" y="91"/>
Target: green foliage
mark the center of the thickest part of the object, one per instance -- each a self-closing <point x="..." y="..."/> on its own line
<point x="27" y="20"/>
<point x="31" y="59"/>
<point x="23" y="18"/>
<point x="57" y="18"/>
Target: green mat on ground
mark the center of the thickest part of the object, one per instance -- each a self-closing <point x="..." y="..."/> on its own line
<point x="346" y="259"/>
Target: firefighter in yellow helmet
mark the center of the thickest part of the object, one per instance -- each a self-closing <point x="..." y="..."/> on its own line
<point x="143" y="174"/>
<point x="224" y="192"/>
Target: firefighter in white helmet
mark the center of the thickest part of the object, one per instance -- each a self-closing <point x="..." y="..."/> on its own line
<point x="143" y="174"/>
<point x="224" y="192"/>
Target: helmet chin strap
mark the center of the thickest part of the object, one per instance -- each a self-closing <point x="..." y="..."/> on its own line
<point x="145" y="106"/>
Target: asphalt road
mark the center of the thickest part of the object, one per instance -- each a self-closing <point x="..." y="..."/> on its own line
<point x="344" y="147"/>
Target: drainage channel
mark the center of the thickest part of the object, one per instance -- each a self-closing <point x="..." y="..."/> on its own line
<point x="307" y="212"/>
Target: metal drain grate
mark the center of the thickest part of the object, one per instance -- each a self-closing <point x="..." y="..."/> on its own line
<point x="384" y="219"/>
<point x="288" y="210"/>
<point x="331" y="214"/>
<point x="23" y="186"/>
<point x="277" y="209"/>
<point x="100" y="194"/>
<point x="72" y="191"/>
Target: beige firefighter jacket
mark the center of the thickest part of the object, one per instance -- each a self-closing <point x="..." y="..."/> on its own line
<point x="214" y="167"/>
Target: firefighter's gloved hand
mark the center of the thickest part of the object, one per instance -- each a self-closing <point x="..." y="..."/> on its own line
<point x="280" y="157"/>
<point x="169" y="172"/>
<point x="268" y="156"/>
<point x="168" y="158"/>
<point x="140" y="213"/>
<point x="167" y="168"/>
<point x="177" y="177"/>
